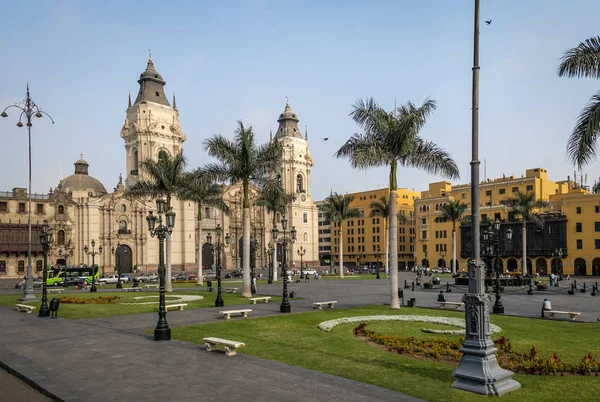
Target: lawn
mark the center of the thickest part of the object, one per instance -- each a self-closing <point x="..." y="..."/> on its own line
<point x="295" y="339"/>
<point x="77" y="311"/>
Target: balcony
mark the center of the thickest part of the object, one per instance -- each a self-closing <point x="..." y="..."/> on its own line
<point x="124" y="232"/>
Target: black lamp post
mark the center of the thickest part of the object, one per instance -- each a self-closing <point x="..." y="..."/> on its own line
<point x="377" y="255"/>
<point x="284" y="241"/>
<point x="216" y="248"/>
<point x="162" y="332"/>
<point x="93" y="253"/>
<point x="117" y="253"/>
<point x="28" y="110"/>
<point x="45" y="241"/>
<point x="301" y="252"/>
<point x="493" y="241"/>
<point x="270" y="252"/>
<point x="253" y="248"/>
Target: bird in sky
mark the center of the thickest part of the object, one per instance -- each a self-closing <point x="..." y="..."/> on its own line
<point x="488" y="22"/>
<point x="325" y="139"/>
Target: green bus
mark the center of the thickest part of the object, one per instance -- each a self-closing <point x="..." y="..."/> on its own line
<point x="57" y="274"/>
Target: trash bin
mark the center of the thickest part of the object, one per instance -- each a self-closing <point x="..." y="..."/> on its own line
<point x="401" y="295"/>
<point x="411" y="302"/>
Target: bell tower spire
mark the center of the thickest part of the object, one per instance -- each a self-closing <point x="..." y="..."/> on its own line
<point x="151" y="85"/>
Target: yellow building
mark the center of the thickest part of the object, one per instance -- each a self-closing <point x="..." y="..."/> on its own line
<point x="364" y="239"/>
<point x="566" y="244"/>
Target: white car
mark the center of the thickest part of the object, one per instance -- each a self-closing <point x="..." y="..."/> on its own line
<point x="114" y="279"/>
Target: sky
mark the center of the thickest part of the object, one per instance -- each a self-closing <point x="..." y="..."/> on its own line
<point x="238" y="59"/>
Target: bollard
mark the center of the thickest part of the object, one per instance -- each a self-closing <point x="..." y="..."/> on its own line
<point x="441" y="297"/>
<point x="572" y="291"/>
<point x="413" y="286"/>
<point x="448" y="290"/>
<point x="583" y="289"/>
<point x="530" y="291"/>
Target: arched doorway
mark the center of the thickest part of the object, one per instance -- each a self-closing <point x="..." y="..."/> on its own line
<point x="124" y="259"/>
<point x="580" y="267"/>
<point x="512" y="265"/>
<point x="596" y="267"/>
<point x="207" y="256"/>
<point x="441" y="263"/>
<point x="556" y="266"/>
<point x="425" y="263"/>
<point x="541" y="266"/>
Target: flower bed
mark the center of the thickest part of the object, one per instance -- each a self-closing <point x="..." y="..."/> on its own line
<point x="170" y="298"/>
<point x="96" y="300"/>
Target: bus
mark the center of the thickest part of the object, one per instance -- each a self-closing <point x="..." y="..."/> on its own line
<point x="57" y="274"/>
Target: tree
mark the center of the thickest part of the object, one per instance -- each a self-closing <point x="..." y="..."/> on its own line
<point x="392" y="139"/>
<point x="203" y="191"/>
<point x="584" y="61"/>
<point x="524" y="205"/>
<point x="242" y="160"/>
<point x="336" y="208"/>
<point x="165" y="179"/>
<point x="276" y="201"/>
<point x="453" y="211"/>
<point x="381" y="208"/>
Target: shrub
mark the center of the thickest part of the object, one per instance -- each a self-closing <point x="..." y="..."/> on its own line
<point x="97" y="300"/>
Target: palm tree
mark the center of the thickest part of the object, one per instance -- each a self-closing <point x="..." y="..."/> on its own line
<point x="336" y="208"/>
<point x="524" y="205"/>
<point x="584" y="61"/>
<point x="242" y="160"/>
<point x="165" y="179"/>
<point x="392" y="139"/>
<point x="205" y="193"/>
<point x="453" y="211"/>
<point x="381" y="208"/>
<point x="276" y="201"/>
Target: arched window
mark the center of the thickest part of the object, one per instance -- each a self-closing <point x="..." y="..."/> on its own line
<point x="134" y="165"/>
<point x="38" y="266"/>
<point x="60" y="238"/>
<point x="305" y="237"/>
<point x="122" y="227"/>
<point x="123" y="208"/>
<point x="21" y="266"/>
<point x="299" y="184"/>
<point x="61" y="209"/>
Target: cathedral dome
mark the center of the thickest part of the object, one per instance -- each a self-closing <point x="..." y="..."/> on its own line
<point x="81" y="180"/>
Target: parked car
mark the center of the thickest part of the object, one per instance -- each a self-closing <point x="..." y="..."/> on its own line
<point x="114" y="279"/>
<point x="234" y="274"/>
<point x="148" y="278"/>
<point x="71" y="281"/>
<point x="125" y="278"/>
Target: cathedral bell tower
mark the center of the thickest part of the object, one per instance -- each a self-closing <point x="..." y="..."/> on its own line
<point x="151" y="124"/>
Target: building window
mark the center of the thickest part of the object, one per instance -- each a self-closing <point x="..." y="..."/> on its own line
<point x="597" y="226"/>
<point x="39" y="209"/>
<point x="38" y="266"/>
<point x="3" y="206"/>
<point x="502" y="191"/>
<point x="60" y="238"/>
<point x="579" y="244"/>
<point x="305" y="218"/>
<point x="424" y="234"/>
<point x="21" y="207"/>
<point x="305" y="237"/>
<point x="21" y="266"/>
<point x="515" y="189"/>
<point x="578" y="227"/>
<point x="123" y="208"/>
<point x="597" y="244"/>
<point x="529" y="188"/>
<point x="206" y="213"/>
<point x="61" y="209"/>
<point x="299" y="184"/>
<point x="488" y="192"/>
<point x="122" y="227"/>
<point x="2" y="267"/>
<point x="597" y="208"/>
<point x="578" y="210"/>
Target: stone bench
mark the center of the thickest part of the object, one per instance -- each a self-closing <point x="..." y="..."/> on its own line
<point x="151" y="286"/>
<point x="266" y="299"/>
<point x="132" y="289"/>
<point x="572" y="315"/>
<point x="319" y="305"/>
<point x="25" y="308"/>
<point x="230" y="346"/>
<point x="54" y="290"/>
<point x="456" y="305"/>
<point x="243" y="312"/>
<point x="231" y="290"/>
<point x="179" y="306"/>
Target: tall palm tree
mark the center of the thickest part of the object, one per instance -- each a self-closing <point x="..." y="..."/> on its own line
<point x="525" y="205"/>
<point x="242" y="160"/>
<point x="392" y="139"/>
<point x="165" y="179"/>
<point x="276" y="201"/>
<point x="584" y="61"/>
<point x="336" y="208"/>
<point x="453" y="211"/>
<point x="203" y="191"/>
<point x="381" y="208"/>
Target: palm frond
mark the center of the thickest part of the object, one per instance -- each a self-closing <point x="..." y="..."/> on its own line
<point x="429" y="157"/>
<point x="453" y="210"/>
<point x="582" y="61"/>
<point x="582" y="144"/>
<point x="380" y="207"/>
<point x="363" y="151"/>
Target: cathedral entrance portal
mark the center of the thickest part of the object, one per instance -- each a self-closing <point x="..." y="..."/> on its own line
<point x="124" y="258"/>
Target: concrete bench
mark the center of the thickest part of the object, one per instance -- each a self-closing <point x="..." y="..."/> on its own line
<point x="152" y="285"/>
<point x="231" y="290"/>
<point x="243" y="312"/>
<point x="132" y="289"/>
<point x="54" y="290"/>
<point x="319" y="305"/>
<point x="179" y="306"/>
<point x="572" y="315"/>
<point x="25" y="308"/>
<point x="456" y="305"/>
<point x="230" y="346"/>
<point x="266" y="299"/>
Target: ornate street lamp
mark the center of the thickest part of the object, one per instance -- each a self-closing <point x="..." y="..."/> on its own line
<point x="216" y="248"/>
<point x="46" y="242"/>
<point x="93" y="253"/>
<point x="28" y="110"/>
<point x="162" y="332"/>
<point x="117" y="255"/>
<point x="377" y="255"/>
<point x="270" y="253"/>
<point x="285" y="240"/>
<point x="301" y="252"/>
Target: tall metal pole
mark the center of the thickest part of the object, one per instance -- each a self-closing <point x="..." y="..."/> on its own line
<point x="478" y="370"/>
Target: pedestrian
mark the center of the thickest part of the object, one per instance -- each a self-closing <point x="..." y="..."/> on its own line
<point x="546" y="306"/>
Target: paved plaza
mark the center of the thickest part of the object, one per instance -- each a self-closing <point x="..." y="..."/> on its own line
<point x="111" y="359"/>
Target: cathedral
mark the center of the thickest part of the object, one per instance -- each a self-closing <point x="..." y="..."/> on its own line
<point x="81" y="212"/>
